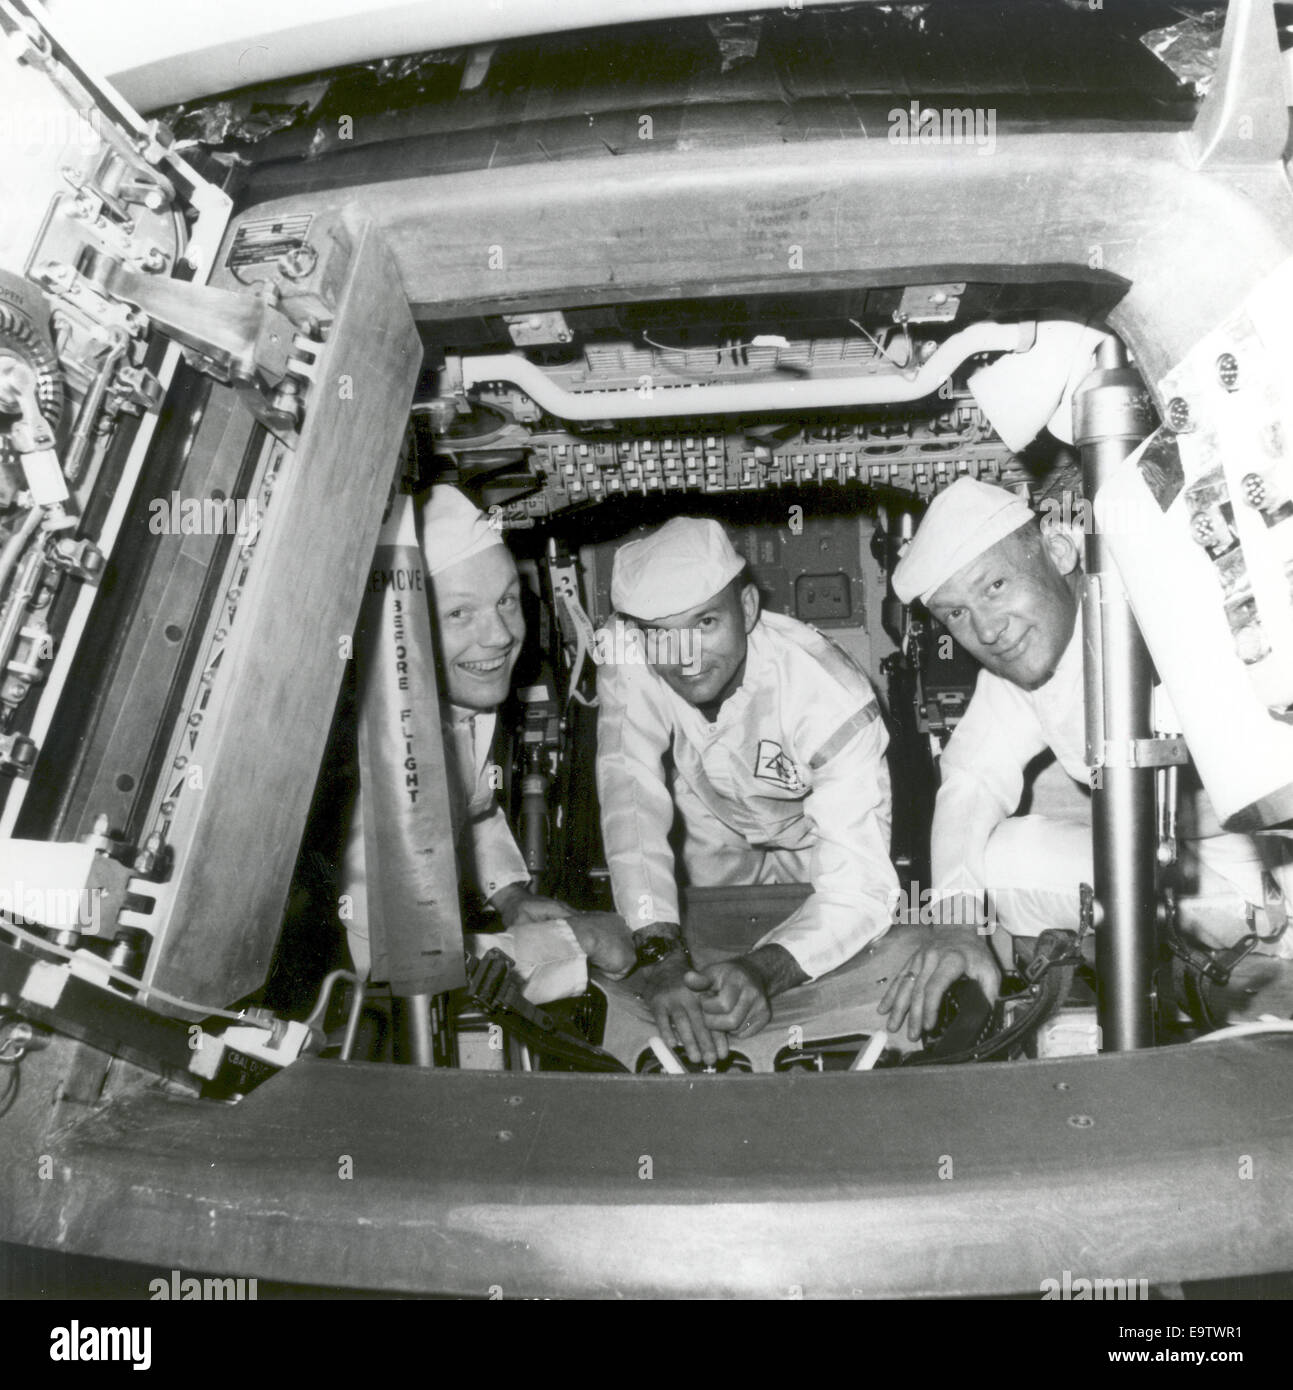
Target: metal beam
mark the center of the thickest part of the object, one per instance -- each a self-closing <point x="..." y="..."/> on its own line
<point x="1120" y="1166"/>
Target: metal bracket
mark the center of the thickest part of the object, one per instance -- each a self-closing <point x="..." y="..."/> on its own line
<point x="79" y="558"/>
<point x="17" y="753"/>
<point x="240" y="337"/>
<point x="241" y="340"/>
<point x="536" y="330"/>
<point x="137" y="389"/>
<point x="929" y="303"/>
<point x="1141" y="752"/>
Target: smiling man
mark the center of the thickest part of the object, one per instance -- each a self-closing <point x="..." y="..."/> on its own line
<point x="478" y="628"/>
<point x="767" y="743"/>
<point x="1007" y="591"/>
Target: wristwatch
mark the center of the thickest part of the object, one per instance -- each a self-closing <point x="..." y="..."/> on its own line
<point x="657" y="946"/>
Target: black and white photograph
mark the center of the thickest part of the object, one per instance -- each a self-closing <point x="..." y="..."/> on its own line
<point x="646" y="653"/>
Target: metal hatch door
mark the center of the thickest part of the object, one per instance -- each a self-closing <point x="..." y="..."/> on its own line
<point x="194" y="463"/>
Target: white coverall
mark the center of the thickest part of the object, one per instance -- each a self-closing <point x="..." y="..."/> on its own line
<point x="788" y="784"/>
<point x="547" y="955"/>
<point x="1034" y="864"/>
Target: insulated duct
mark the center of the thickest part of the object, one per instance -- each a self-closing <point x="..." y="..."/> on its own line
<point x="669" y="399"/>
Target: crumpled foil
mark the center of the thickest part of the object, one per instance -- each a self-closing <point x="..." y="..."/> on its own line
<point x="1190" y="48"/>
<point x="411" y="64"/>
<point x="245" y="118"/>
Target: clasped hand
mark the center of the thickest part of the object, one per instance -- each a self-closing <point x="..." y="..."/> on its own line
<point x="699" y="1010"/>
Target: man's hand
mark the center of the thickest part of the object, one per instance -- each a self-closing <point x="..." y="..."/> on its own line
<point x="674" y="993"/>
<point x="606" y="941"/>
<point x="516" y="905"/>
<point x="917" y="992"/>
<point x="738" y="993"/>
<point x="734" y="998"/>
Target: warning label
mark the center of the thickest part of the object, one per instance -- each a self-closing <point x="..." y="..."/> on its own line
<point x="267" y="238"/>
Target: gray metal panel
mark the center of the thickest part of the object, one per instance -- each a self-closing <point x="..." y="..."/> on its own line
<point x="836" y="1184"/>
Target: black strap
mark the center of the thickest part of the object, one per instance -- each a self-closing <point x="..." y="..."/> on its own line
<point x="497" y="989"/>
<point x="1050" y="975"/>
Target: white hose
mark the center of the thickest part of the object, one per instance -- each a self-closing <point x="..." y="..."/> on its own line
<point x="870" y="1054"/>
<point x="749" y="397"/>
<point x="665" y="1057"/>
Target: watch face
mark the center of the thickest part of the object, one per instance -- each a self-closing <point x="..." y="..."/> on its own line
<point x="655" y="948"/>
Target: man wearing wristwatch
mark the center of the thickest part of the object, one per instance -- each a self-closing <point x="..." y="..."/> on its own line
<point x="766" y="742"/>
<point x="1007" y="589"/>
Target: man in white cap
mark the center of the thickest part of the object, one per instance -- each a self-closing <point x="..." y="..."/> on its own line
<point x="478" y="630"/>
<point x="1007" y="589"/>
<point x="768" y="743"/>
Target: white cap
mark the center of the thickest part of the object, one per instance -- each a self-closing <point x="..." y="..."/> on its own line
<point x="680" y="566"/>
<point x="962" y="522"/>
<point x="453" y="530"/>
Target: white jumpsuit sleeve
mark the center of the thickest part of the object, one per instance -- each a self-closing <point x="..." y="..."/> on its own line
<point x="547" y="955"/>
<point x="854" y="884"/>
<point x="634" y="733"/>
<point x="498" y="860"/>
<point x="982" y="782"/>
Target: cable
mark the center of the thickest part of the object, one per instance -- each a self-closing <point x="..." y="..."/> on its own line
<point x="148" y="991"/>
<point x="709" y="349"/>
<point x="875" y="344"/>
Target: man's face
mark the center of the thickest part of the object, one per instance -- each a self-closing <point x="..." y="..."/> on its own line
<point x="480" y="626"/>
<point x="1014" y="607"/>
<point x="716" y="645"/>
